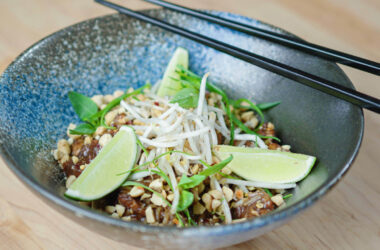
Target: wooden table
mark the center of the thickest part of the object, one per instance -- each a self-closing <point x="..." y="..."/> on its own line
<point x="348" y="217"/>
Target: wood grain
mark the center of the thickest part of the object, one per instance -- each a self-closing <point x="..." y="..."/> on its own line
<point x="347" y="218"/>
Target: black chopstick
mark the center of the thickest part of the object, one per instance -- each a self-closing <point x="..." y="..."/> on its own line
<point x="314" y="49"/>
<point x="347" y="94"/>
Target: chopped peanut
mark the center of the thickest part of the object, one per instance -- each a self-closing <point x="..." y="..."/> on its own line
<point x="110" y="209"/>
<point x="75" y="159"/>
<point x="120" y="209"/>
<point x="207" y="199"/>
<point x="216" y="194"/>
<point x="136" y="191"/>
<point x="149" y="215"/>
<point x="246" y="116"/>
<point x="87" y="140"/>
<point x="70" y="180"/>
<point x="118" y="93"/>
<point x="145" y="196"/>
<point x="110" y="116"/>
<point x="115" y="215"/>
<point x="156" y="185"/>
<point x="215" y="204"/>
<point x="98" y="99"/>
<point x="157" y="200"/>
<point x="105" y="139"/>
<point x="70" y="127"/>
<point x="100" y="130"/>
<point x="228" y="193"/>
<point x="170" y="197"/>
<point x="198" y="208"/>
<point x="277" y="199"/>
<point x="64" y="146"/>
<point x="252" y="123"/>
<point x="108" y="98"/>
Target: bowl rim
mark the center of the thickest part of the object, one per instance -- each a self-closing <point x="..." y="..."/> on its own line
<point x="80" y="211"/>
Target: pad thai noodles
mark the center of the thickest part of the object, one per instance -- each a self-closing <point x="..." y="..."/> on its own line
<point x="186" y="168"/>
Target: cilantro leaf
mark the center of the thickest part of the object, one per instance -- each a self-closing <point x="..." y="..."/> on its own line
<point x="185" y="200"/>
<point x="83" y="129"/>
<point x="190" y="182"/>
<point x="83" y="105"/>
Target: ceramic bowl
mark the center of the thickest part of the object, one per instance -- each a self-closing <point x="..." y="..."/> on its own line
<point x="101" y="55"/>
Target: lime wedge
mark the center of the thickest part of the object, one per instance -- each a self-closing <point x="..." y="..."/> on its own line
<point x="103" y="174"/>
<point x="264" y="165"/>
<point x="168" y="86"/>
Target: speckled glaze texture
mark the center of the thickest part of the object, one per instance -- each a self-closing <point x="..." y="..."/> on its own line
<point x="113" y="52"/>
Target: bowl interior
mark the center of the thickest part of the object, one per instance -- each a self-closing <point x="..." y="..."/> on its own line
<point x="114" y="52"/>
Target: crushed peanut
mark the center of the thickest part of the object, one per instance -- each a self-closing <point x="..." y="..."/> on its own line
<point x="228" y="193"/>
<point x="216" y="194"/>
<point x="198" y="208"/>
<point x="136" y="191"/>
<point x="98" y="99"/>
<point x="157" y="200"/>
<point x="120" y="209"/>
<point x="157" y="185"/>
<point x="105" y="139"/>
<point x="110" y="209"/>
<point x="149" y="215"/>
<point x="70" y="180"/>
<point x="277" y="199"/>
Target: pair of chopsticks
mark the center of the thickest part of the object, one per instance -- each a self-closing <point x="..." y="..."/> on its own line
<point x="316" y="82"/>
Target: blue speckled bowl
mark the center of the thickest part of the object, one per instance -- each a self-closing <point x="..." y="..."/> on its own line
<point x="113" y="52"/>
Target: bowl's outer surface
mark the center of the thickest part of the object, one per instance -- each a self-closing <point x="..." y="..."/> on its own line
<point x="114" y="52"/>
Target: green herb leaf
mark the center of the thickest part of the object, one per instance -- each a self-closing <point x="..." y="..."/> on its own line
<point x="189" y="219"/>
<point x="210" y="170"/>
<point x="185" y="200"/>
<point x="83" y="105"/>
<point x="267" y="105"/>
<point x="287" y="196"/>
<point x="83" y="129"/>
<point x="268" y="192"/>
<point x="190" y="182"/>
<point x="186" y="98"/>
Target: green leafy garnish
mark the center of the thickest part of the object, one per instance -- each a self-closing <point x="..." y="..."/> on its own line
<point x="287" y="196"/>
<point x="267" y="105"/>
<point x="268" y="192"/>
<point x="83" y="129"/>
<point x="186" y="98"/>
<point x="190" y="220"/>
<point x="87" y="111"/>
<point x="82" y="105"/>
<point x="185" y="200"/>
<point x="191" y="182"/>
